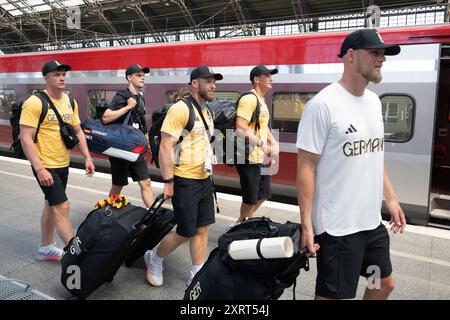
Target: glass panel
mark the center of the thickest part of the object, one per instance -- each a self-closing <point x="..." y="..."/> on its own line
<point x="398" y="117"/>
<point x="7" y="97"/>
<point x="98" y="97"/>
<point x="287" y="110"/>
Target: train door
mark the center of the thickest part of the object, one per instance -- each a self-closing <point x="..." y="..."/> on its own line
<point x="408" y="94"/>
<point x="440" y="181"/>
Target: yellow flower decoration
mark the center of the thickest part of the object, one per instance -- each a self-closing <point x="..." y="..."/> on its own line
<point x="116" y="201"/>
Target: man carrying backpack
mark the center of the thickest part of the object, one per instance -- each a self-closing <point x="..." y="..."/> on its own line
<point x="49" y="156"/>
<point x="255" y="186"/>
<point x="188" y="182"/>
<point x="130" y="100"/>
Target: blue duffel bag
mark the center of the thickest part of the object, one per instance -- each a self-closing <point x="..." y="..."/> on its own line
<point x="115" y="140"/>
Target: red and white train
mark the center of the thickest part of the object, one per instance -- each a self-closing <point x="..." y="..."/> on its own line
<point x="415" y="93"/>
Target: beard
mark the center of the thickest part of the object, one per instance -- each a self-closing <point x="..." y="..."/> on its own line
<point x="375" y="77"/>
<point x="204" y="95"/>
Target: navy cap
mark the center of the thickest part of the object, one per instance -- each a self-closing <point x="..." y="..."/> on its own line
<point x="204" y="72"/>
<point x="260" y="70"/>
<point x="53" y="65"/>
<point x="135" y="68"/>
<point x="367" y="39"/>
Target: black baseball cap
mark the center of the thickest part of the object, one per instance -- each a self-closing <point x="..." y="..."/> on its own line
<point x="367" y="39"/>
<point x="204" y="72"/>
<point x="135" y="68"/>
<point x="260" y="70"/>
<point x="53" y="65"/>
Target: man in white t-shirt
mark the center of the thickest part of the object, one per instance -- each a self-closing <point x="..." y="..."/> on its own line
<point x="341" y="176"/>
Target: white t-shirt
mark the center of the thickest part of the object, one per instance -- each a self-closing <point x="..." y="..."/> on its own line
<point x="348" y="132"/>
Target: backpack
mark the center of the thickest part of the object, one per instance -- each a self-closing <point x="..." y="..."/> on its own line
<point x="225" y="113"/>
<point x="158" y="117"/>
<point x="222" y="278"/>
<point x="16" y="111"/>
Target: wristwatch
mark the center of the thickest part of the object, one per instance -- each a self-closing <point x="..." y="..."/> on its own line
<point x="168" y="180"/>
<point x="261" y="143"/>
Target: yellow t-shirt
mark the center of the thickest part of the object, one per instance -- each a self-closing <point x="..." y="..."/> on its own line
<point x="194" y="145"/>
<point x="49" y="144"/>
<point x="246" y="107"/>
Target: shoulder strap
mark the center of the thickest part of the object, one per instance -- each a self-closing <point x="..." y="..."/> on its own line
<point x="199" y="109"/>
<point x="72" y="101"/>
<point x="191" y="121"/>
<point x="256" y="113"/>
<point x="52" y="106"/>
<point x="43" y="112"/>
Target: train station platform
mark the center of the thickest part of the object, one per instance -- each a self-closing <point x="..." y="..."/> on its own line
<point x="420" y="257"/>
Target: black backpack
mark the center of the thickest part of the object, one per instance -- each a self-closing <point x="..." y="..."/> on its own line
<point x="222" y="278"/>
<point x="16" y="111"/>
<point x="225" y="113"/>
<point x="158" y="117"/>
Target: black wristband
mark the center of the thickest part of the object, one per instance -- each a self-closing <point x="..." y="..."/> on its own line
<point x="168" y="180"/>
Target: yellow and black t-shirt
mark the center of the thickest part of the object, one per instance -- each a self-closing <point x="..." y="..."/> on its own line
<point x="246" y="107"/>
<point x="49" y="145"/>
<point x="194" y="145"/>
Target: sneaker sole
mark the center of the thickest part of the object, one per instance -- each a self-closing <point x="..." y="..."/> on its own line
<point x="47" y="258"/>
<point x="149" y="276"/>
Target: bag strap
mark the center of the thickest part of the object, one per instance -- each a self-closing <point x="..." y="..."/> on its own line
<point x="191" y="121"/>
<point x="256" y="113"/>
<point x="211" y="140"/>
<point x="205" y="124"/>
<point x="43" y="112"/>
<point x="52" y="106"/>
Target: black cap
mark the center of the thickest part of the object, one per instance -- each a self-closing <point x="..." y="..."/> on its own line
<point x="204" y="72"/>
<point x="367" y="39"/>
<point x="259" y="70"/>
<point x="135" y="68"/>
<point x="53" y="65"/>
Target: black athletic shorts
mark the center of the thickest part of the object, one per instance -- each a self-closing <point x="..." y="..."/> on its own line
<point x="193" y="204"/>
<point x="254" y="186"/>
<point x="56" y="194"/>
<point x="341" y="260"/>
<point x="121" y="169"/>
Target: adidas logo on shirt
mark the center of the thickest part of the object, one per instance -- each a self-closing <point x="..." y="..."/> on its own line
<point x="351" y="129"/>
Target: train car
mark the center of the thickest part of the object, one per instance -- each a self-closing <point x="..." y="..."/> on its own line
<point x="414" y="92"/>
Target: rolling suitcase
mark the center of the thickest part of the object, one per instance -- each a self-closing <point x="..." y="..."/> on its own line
<point x="101" y="245"/>
<point x="157" y="224"/>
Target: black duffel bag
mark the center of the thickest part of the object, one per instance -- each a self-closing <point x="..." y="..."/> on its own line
<point x="222" y="278"/>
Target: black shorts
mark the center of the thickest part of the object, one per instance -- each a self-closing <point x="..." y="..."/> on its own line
<point x="193" y="204"/>
<point x="56" y="194"/>
<point x="254" y="186"/>
<point x="120" y="169"/>
<point x="341" y="260"/>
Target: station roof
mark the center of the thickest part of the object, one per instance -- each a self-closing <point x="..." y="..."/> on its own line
<point x="32" y="25"/>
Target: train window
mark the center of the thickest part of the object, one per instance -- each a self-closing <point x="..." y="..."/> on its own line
<point x="398" y="114"/>
<point x="227" y="95"/>
<point x="7" y="97"/>
<point x="220" y="95"/>
<point x="97" y="97"/>
<point x="287" y="109"/>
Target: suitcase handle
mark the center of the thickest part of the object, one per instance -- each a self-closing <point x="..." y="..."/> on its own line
<point x="159" y="200"/>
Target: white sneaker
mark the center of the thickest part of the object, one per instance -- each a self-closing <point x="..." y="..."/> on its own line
<point x="48" y="253"/>
<point x="154" y="269"/>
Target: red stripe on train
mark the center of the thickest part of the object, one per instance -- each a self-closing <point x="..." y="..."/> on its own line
<point x="297" y="49"/>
